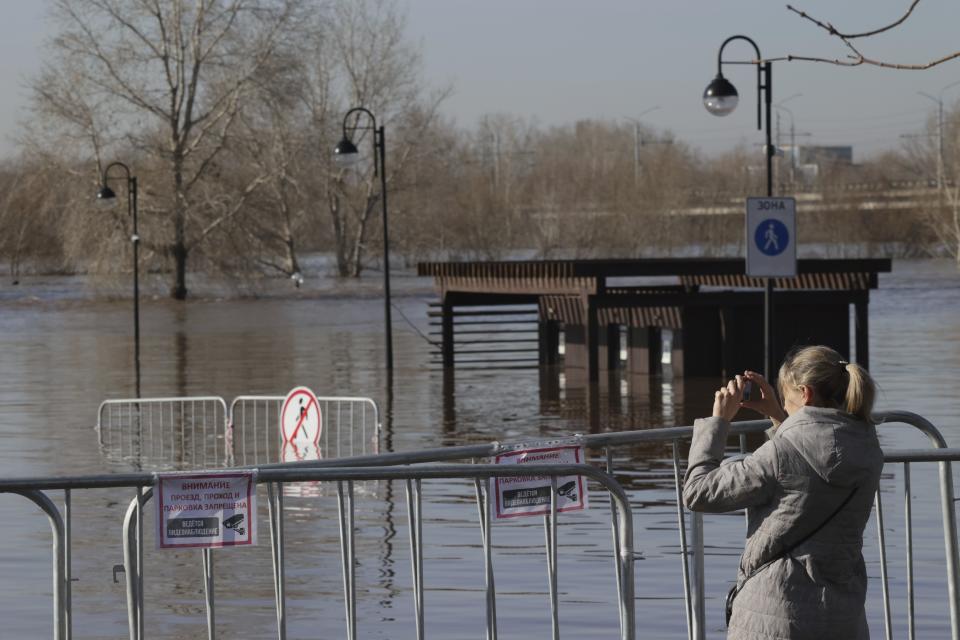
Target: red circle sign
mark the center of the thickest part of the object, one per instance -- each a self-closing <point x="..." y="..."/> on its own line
<point x="300" y="419"/>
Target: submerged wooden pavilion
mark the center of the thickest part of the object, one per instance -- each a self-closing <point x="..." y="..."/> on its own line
<point x="712" y="308"/>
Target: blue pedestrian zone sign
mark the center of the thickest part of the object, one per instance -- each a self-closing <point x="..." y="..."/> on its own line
<point x="771" y="237"/>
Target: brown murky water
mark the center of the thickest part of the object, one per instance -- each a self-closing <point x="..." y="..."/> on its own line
<point x="64" y="348"/>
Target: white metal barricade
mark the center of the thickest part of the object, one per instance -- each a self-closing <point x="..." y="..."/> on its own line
<point x="345" y="479"/>
<point x="165" y="433"/>
<point x="202" y="432"/>
<point x="351" y="472"/>
<point x="350" y="426"/>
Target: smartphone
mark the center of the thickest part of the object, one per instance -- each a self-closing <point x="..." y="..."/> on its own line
<point x="747" y="390"/>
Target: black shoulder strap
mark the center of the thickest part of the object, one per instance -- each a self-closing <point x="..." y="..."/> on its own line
<point x="822" y="524"/>
<point x="786" y="550"/>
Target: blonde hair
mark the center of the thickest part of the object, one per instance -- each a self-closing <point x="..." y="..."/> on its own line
<point x="835" y="382"/>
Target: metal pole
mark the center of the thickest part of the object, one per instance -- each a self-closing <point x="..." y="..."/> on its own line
<point x="908" y="521"/>
<point x="381" y="145"/>
<point x="698" y="604"/>
<point x="135" y="239"/>
<point x="940" y="180"/>
<point x="768" y="283"/>
<point x="206" y="559"/>
<point x="141" y="499"/>
<point x="884" y="582"/>
<point x="779" y="167"/>
<point x="636" y="153"/>
<point x="684" y="551"/>
<point x="67" y="560"/>
<point x="496" y="162"/>
<point x="765" y="86"/>
<point x="947" y="501"/>
<point x="615" y="522"/>
<point x="793" y="155"/>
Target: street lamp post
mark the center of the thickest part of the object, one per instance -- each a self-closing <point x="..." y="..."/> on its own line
<point x="346" y="154"/>
<point x="637" y="142"/>
<point x="721" y="98"/>
<point x="108" y="197"/>
<point x="793" y="140"/>
<point x="939" y="100"/>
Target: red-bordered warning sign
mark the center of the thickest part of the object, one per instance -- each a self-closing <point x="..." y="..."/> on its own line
<point x="300" y="417"/>
<point x="206" y="510"/>
<point x="530" y="495"/>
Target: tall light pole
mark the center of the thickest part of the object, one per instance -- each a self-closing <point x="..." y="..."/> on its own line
<point x="345" y="154"/>
<point x="107" y="197"/>
<point x="793" y="139"/>
<point x="721" y="98"/>
<point x="939" y="100"/>
<point x="637" y="143"/>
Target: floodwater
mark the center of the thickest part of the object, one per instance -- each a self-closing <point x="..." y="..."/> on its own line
<point x="66" y="344"/>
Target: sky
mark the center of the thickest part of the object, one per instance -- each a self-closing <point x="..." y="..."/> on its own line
<point x="554" y="62"/>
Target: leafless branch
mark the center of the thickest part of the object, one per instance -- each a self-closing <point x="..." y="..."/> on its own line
<point x="850" y="36"/>
<point x="856" y="58"/>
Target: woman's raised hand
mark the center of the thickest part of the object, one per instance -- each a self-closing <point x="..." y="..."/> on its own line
<point x="765" y="402"/>
<point x="728" y="399"/>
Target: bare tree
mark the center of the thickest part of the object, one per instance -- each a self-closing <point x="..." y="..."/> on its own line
<point x="350" y="53"/>
<point x="276" y="136"/>
<point x="943" y="216"/>
<point x="378" y="69"/>
<point x="29" y="208"/>
<point x="169" y="78"/>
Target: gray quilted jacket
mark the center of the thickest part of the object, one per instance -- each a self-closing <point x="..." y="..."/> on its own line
<point x="789" y="486"/>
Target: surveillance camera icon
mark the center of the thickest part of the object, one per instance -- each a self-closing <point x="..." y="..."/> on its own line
<point x="568" y="490"/>
<point x="235" y="523"/>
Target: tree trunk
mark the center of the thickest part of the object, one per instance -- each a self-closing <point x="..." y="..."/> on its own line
<point x="293" y="265"/>
<point x="356" y="252"/>
<point x="339" y="235"/>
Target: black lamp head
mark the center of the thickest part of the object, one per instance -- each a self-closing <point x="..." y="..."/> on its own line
<point x="345" y="153"/>
<point x="720" y="97"/>
<point x="106" y="196"/>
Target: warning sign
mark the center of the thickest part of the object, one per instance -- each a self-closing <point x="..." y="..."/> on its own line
<point x="206" y="510"/>
<point x="530" y="495"/>
<point x="300" y="419"/>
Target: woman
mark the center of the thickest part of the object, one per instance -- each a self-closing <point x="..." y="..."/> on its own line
<point x="808" y="492"/>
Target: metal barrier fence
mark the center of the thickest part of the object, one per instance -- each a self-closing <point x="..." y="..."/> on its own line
<point x="692" y="569"/>
<point x="622" y="520"/>
<point x="345" y="478"/>
<point x="350" y="427"/>
<point x="165" y="433"/>
<point x="201" y="432"/>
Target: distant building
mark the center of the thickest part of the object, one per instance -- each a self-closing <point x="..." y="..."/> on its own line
<point x="824" y="155"/>
<point x="808" y="161"/>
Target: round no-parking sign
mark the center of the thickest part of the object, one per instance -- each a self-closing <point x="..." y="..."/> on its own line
<point x="300" y="419"/>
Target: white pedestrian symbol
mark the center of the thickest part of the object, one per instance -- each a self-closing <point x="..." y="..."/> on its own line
<point x="771" y="238"/>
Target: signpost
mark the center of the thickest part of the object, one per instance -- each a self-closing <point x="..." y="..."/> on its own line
<point x="771" y="237"/>
<point x="300" y="419"/>
<point x="530" y="495"/>
<point x="206" y="510"/>
<point x="771" y="252"/>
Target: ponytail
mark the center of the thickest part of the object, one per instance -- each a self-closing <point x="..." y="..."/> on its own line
<point x="861" y="391"/>
<point x="836" y="382"/>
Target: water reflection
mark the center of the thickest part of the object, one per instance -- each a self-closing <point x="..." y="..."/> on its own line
<point x="181" y="349"/>
<point x="79" y="351"/>
<point x="623" y="401"/>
